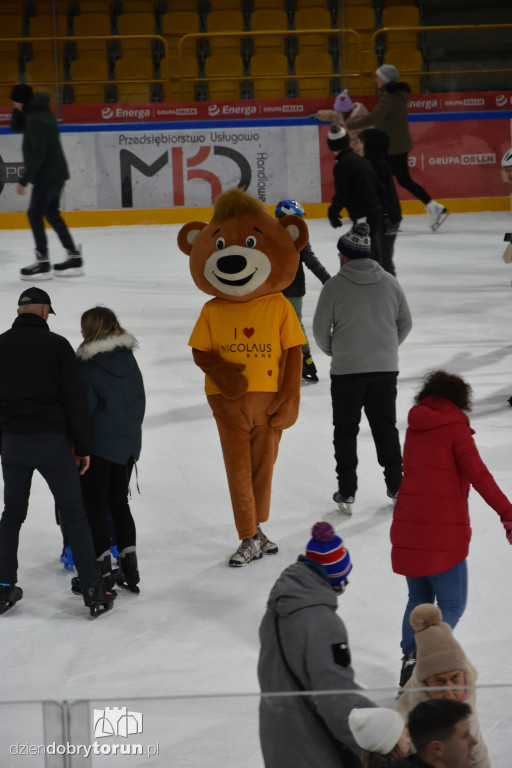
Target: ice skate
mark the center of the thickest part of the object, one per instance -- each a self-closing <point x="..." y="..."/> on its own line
<point x="344" y="502"/>
<point x="107" y="575"/>
<point x="39" y="270"/>
<point x="67" y="559"/>
<point x="267" y="547"/>
<point x="72" y="266"/>
<point x="439" y="214"/>
<point x="127" y="577"/>
<point x="393" y="495"/>
<point x="309" y="372"/>
<point x="9" y="596"/>
<point x="507" y="253"/>
<point x="98" y="600"/>
<point x="249" y="549"/>
<point x="408" y="664"/>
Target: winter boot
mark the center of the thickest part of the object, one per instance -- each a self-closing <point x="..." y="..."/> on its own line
<point x="98" y="600"/>
<point x="249" y="550"/>
<point x="267" y="547"/>
<point x="309" y="368"/>
<point x="39" y="270"/>
<point x="72" y="266"/>
<point x="439" y="214"/>
<point x="127" y="576"/>
<point x="9" y="596"/>
<point x="408" y="664"/>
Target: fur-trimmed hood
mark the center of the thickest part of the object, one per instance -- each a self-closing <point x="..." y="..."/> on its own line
<point x="112" y="353"/>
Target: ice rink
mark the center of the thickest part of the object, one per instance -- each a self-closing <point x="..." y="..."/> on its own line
<point x="193" y="631"/>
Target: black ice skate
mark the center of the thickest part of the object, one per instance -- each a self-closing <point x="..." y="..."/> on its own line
<point x="98" y="600"/>
<point x="107" y="575"/>
<point x="507" y="253"/>
<point x="127" y="577"/>
<point x="9" y="596"/>
<point x="344" y="502"/>
<point x="39" y="270"/>
<point x="72" y="266"/>
<point x="309" y="369"/>
<point x="408" y="664"/>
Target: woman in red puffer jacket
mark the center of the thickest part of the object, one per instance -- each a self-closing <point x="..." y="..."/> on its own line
<point x="431" y="531"/>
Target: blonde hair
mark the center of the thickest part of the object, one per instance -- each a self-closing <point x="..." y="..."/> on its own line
<point x="99" y="322"/>
<point x="235" y="202"/>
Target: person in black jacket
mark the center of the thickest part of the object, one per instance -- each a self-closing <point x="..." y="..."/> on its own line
<point x="46" y="169"/>
<point x="43" y="414"/>
<point x="356" y="188"/>
<point x="296" y="291"/>
<point x="116" y="398"/>
<point x="376" y="146"/>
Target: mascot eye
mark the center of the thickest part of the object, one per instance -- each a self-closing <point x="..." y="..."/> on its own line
<point x="250" y="241"/>
<point x="220" y="243"/>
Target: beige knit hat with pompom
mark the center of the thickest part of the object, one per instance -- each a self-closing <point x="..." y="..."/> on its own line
<point x="437" y="651"/>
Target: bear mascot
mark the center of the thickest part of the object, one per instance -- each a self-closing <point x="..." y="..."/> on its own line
<point x="248" y="342"/>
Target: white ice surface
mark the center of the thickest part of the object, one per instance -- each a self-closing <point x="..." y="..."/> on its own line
<point x="194" y="628"/>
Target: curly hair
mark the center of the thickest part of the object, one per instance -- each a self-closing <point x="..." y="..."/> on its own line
<point x="447" y="385"/>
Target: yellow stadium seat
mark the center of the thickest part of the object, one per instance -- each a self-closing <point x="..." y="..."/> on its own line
<point x="11" y="25"/>
<point x="314" y="64"/>
<point x="259" y="5"/>
<point x="313" y="18"/>
<point x="223" y="66"/>
<point x="225" y="5"/>
<point x="9" y="71"/>
<point x="87" y="93"/>
<point x="269" y="64"/>
<point x="268" y="20"/>
<point x="184" y="90"/>
<point x="134" y="68"/>
<point x="360" y="18"/>
<point x="175" y="24"/>
<point x="138" y="6"/>
<point x="320" y="4"/>
<point x="406" y="61"/>
<point x="401" y="16"/>
<point x="88" y="69"/>
<point x="225" y="21"/>
<point x="134" y="93"/>
<point x="41" y="72"/>
<point x="135" y="24"/>
<point x="93" y="6"/>
<point x="43" y="25"/>
<point x="91" y="24"/>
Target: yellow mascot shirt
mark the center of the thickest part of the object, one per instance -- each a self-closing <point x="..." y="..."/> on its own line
<point x="251" y="332"/>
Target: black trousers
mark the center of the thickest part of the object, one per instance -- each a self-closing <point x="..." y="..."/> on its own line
<point x="50" y="455"/>
<point x="376" y="393"/>
<point x="105" y="488"/>
<point x="400" y="169"/>
<point x="44" y="204"/>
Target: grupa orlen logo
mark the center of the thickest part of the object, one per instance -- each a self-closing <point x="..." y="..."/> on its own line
<point x="501" y="100"/>
<point x="213" y="110"/>
<point x="107" y="113"/>
<point x="116" y="721"/>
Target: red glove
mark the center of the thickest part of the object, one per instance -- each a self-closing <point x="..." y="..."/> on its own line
<point x="507" y="524"/>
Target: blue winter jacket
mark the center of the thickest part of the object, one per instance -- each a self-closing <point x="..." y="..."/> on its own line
<point x="115" y="393"/>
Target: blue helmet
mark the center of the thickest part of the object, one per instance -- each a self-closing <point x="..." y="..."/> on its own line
<point x="288" y="207"/>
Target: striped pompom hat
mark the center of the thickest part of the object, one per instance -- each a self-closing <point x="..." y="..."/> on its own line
<point x="329" y="550"/>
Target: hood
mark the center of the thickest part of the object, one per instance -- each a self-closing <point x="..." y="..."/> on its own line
<point x="434" y="412"/>
<point x="112" y="353"/>
<point x="402" y="89"/>
<point x="362" y="271"/>
<point x="376" y="143"/>
<point x="40" y="102"/>
<point x="300" y="587"/>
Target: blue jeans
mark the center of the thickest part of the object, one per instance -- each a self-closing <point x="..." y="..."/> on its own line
<point x="448" y="589"/>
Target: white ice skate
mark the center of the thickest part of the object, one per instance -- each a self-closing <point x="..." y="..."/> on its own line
<point x="344" y="502"/>
<point x="249" y="550"/>
<point x="439" y="214"/>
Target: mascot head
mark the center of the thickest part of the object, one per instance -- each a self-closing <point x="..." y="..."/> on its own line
<point x="243" y="252"/>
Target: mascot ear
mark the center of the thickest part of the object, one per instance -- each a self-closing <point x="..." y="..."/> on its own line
<point x="188" y="234"/>
<point x="297" y="229"/>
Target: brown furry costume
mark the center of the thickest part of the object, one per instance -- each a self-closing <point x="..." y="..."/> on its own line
<point x="247" y="341"/>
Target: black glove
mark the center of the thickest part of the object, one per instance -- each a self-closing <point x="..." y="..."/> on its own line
<point x="334" y="218"/>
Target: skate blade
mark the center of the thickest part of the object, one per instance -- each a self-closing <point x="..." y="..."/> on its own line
<point x="99" y="609"/>
<point x="507" y="254"/>
<point x="6" y="606"/>
<point x="37" y="278"/>
<point x="126" y="588"/>
<point x="442" y="219"/>
<point x="71" y="272"/>
<point x="344" y="507"/>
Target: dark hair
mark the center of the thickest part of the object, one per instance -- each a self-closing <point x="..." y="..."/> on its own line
<point x="376" y="760"/>
<point x="435" y="720"/>
<point x="447" y="385"/>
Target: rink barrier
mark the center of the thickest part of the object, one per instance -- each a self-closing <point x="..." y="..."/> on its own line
<point x="188" y="729"/>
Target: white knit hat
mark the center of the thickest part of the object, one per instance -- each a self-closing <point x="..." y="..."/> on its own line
<point x="377" y="729"/>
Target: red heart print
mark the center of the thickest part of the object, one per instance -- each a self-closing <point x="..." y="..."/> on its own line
<point x="248" y="332"/>
<point x="269" y="373"/>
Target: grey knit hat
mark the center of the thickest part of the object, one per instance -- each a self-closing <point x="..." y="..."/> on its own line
<point x="388" y="73"/>
<point x="356" y="244"/>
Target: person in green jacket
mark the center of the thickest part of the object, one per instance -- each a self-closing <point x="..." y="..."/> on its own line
<point x="46" y="169"/>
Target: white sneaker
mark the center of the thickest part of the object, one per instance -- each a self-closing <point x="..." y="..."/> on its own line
<point x="249" y="549"/>
<point x="267" y="547"/>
